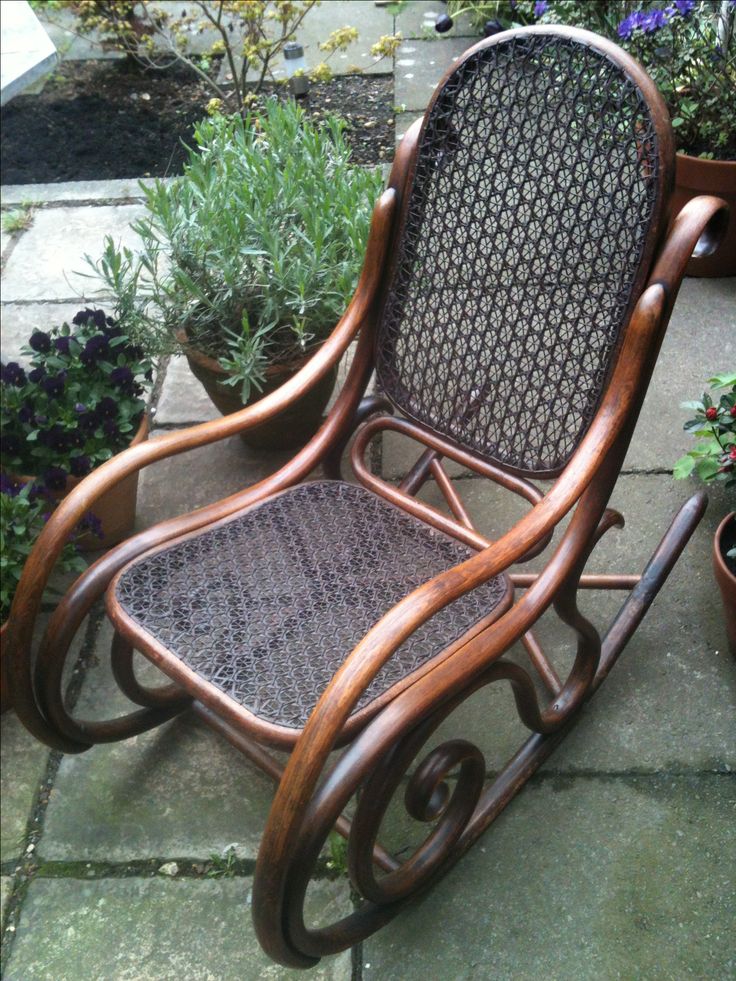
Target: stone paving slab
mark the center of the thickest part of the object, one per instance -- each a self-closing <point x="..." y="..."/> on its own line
<point x="179" y="791"/>
<point x="188" y="481"/>
<point x="670" y="701"/>
<point x="24" y="763"/>
<point x="700" y="338"/>
<point x="20" y="320"/>
<point x="183" y="399"/>
<point x="415" y="83"/>
<point x="45" y="262"/>
<point x="404" y="121"/>
<point x="6" y="887"/>
<point x="416" y="19"/>
<point x="152" y="930"/>
<point x="121" y="190"/>
<point x="24" y="759"/>
<point x="583" y="879"/>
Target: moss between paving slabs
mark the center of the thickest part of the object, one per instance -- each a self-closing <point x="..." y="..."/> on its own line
<point x="152" y="930"/>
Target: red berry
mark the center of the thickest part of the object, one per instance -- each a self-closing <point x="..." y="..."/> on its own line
<point x="711" y="414"/>
<point x="733" y="453"/>
<point x="733" y="410"/>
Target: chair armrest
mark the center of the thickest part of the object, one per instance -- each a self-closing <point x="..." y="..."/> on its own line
<point x="50" y="543"/>
<point x="697" y="230"/>
<point x="320" y="734"/>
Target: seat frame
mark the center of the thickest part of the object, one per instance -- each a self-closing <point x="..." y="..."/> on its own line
<point x="312" y="793"/>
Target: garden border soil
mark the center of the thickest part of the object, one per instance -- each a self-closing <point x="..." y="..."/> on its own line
<point x="109" y="120"/>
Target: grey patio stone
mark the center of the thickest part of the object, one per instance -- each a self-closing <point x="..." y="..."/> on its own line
<point x="6" y="887"/>
<point x="670" y="701"/>
<point x="5" y="239"/>
<point x="582" y="879"/>
<point x="203" y="476"/>
<point x="700" y="339"/>
<point x="63" y="29"/>
<point x="19" y="321"/>
<point x="414" y="84"/>
<point x="44" y="263"/>
<point x="404" y="121"/>
<point x="152" y="930"/>
<point x="178" y="791"/>
<point x="416" y="19"/>
<point x="23" y="765"/>
<point x="183" y="399"/>
<point x="117" y="190"/>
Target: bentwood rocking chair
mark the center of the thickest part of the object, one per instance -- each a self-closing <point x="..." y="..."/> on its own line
<point x="518" y="281"/>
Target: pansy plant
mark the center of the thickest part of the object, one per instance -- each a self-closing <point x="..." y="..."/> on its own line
<point x="78" y="402"/>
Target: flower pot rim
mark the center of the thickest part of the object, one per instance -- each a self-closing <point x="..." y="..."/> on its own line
<point x="700" y="169"/>
<point x="211" y="364"/>
<point x="717" y="554"/>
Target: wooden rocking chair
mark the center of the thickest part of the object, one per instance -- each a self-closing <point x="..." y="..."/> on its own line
<point x="518" y="281"/>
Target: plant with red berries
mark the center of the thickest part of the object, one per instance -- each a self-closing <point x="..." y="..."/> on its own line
<point x="714" y="426"/>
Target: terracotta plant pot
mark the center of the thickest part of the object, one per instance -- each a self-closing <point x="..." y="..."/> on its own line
<point x="115" y="510"/>
<point x="725" y="539"/>
<point x="694" y="176"/>
<point x="289" y="429"/>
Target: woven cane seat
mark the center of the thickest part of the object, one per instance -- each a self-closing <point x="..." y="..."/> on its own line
<point x="266" y="606"/>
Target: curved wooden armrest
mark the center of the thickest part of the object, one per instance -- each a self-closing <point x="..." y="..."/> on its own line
<point x="50" y="543"/>
<point x="697" y="230"/>
<point x="337" y="702"/>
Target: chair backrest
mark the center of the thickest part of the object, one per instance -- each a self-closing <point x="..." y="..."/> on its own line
<point x="538" y="191"/>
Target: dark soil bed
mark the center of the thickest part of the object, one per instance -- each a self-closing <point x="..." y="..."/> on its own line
<point x="103" y="120"/>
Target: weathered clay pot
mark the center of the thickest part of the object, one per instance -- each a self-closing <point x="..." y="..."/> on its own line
<point x="725" y="539"/>
<point x="290" y="428"/>
<point x="694" y="176"/>
<point x="115" y="510"/>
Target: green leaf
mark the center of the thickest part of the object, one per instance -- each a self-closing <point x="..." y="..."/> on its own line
<point x="683" y="468"/>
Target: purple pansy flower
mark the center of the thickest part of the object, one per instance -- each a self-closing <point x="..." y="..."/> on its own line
<point x="62" y="344"/>
<point x="25" y="413"/>
<point x="122" y="378"/>
<point x="40" y="341"/>
<point x="12" y="444"/>
<point x="97" y="317"/>
<point x="540" y="7"/>
<point x="55" y="438"/>
<point x="54" y="478"/>
<point x="13" y="374"/>
<point x="95" y="350"/>
<point x="685" y="7"/>
<point x="80" y="466"/>
<point x="653" y="20"/>
<point x="54" y="385"/>
<point x="36" y="375"/>
<point x="107" y="408"/>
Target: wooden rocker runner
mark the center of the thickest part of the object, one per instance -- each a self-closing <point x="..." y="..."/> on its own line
<point x="517" y="285"/>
